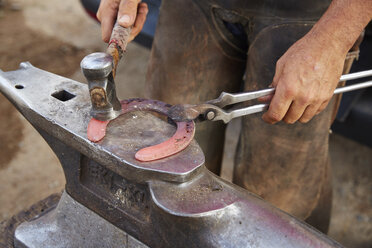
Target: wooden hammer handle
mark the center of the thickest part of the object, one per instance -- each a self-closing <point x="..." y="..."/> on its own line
<point x="118" y="43"/>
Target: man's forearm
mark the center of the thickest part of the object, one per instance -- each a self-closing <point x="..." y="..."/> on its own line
<point x="343" y="22"/>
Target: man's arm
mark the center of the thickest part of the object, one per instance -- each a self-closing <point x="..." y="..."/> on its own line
<point x="308" y="73"/>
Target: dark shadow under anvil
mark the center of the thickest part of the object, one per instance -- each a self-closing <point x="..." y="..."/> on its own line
<point x="112" y="200"/>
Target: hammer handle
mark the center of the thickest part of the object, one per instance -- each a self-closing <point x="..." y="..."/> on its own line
<point x="118" y="43"/>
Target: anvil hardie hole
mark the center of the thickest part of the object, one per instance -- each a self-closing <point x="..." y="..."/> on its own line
<point x="19" y="86"/>
<point x="63" y="95"/>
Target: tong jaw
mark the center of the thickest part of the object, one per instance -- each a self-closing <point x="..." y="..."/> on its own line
<point x="223" y="100"/>
<point x="97" y="68"/>
<point x="199" y="112"/>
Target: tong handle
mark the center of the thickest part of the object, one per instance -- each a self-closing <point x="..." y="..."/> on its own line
<point x="227" y="116"/>
<point x="352" y="87"/>
<point x="356" y="75"/>
<point x="227" y="98"/>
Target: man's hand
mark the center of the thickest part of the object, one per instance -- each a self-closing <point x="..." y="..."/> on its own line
<point x="307" y="74"/>
<point x="305" y="78"/>
<point x="126" y="12"/>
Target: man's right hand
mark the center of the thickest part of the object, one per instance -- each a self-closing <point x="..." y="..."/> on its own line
<point x="127" y="12"/>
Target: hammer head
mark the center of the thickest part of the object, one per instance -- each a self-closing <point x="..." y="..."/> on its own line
<point x="97" y="69"/>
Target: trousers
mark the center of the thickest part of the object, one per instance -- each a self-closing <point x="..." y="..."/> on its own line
<point x="202" y="48"/>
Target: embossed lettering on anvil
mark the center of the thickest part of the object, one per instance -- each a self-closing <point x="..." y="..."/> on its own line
<point x="129" y="197"/>
<point x="101" y="174"/>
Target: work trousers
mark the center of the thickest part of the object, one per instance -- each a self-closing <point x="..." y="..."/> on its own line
<point x="202" y="48"/>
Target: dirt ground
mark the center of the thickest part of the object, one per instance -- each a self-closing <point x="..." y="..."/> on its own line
<point x="17" y="176"/>
<point x="55" y="35"/>
<point x="20" y="44"/>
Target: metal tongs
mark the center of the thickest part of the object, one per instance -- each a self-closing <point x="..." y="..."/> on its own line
<point x="212" y="110"/>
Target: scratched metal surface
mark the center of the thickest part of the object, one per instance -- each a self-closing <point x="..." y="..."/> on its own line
<point x="175" y="202"/>
<point x="68" y="223"/>
<point x="136" y="130"/>
<point x="70" y="120"/>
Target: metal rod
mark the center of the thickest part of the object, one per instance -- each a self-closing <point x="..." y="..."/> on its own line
<point x="227" y="98"/>
<point x="356" y="75"/>
<point x="353" y="87"/>
<point x="262" y="107"/>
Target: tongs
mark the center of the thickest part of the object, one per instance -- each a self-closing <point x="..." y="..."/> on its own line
<point x="213" y="110"/>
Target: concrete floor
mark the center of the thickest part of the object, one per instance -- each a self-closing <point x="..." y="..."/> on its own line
<point x="34" y="172"/>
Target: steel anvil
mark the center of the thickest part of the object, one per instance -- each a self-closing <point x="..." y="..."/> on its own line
<point x="113" y="200"/>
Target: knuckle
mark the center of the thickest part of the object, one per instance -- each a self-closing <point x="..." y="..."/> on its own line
<point x="143" y="9"/>
<point x="131" y="4"/>
<point x="289" y="91"/>
<point x="99" y="15"/>
<point x="275" y="116"/>
<point x="304" y="120"/>
<point x="113" y="4"/>
<point x="322" y="108"/>
<point x="289" y="121"/>
<point x="105" y="39"/>
<point x="305" y="99"/>
<point x="324" y="105"/>
<point x="279" y="62"/>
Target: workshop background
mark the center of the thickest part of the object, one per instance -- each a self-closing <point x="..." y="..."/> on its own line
<point x="55" y="35"/>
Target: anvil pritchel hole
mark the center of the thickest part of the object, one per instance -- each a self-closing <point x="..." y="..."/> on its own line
<point x="63" y="95"/>
<point x="19" y="86"/>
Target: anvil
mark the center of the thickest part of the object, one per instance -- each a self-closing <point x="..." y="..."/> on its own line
<point x="113" y="200"/>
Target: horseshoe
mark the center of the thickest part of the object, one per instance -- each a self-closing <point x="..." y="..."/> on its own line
<point x="179" y="141"/>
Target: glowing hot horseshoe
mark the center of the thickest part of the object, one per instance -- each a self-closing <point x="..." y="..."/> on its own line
<point x="96" y="129"/>
<point x="179" y="141"/>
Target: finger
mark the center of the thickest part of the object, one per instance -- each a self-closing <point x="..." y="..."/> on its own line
<point x="107" y="24"/>
<point x="140" y="20"/>
<point x="322" y="107"/>
<point x="294" y="112"/>
<point x="278" y="72"/>
<point x="278" y="107"/>
<point x="309" y="113"/>
<point x="127" y="12"/>
<point x="106" y="14"/>
<point x="265" y="98"/>
<point x="101" y="8"/>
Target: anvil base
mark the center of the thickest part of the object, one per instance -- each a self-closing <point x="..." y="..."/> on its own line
<point x="71" y="224"/>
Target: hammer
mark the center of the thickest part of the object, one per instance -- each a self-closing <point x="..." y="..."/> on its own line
<point x="99" y="69"/>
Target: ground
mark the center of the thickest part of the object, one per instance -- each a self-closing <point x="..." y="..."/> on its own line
<point x="55" y="35"/>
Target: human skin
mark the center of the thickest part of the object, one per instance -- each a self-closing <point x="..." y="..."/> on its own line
<point x="307" y="73"/>
<point x="127" y="12"/>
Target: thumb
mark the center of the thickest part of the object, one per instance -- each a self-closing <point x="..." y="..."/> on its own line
<point x="127" y="12"/>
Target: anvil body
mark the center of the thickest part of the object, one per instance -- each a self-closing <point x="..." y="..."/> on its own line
<point x="172" y="202"/>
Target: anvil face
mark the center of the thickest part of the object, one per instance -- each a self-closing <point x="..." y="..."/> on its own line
<point x="172" y="202"/>
<point x="61" y="107"/>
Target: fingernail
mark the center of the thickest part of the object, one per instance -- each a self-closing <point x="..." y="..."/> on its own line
<point x="125" y="19"/>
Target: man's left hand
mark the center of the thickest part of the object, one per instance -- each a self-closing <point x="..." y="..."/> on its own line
<point x="305" y="78"/>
